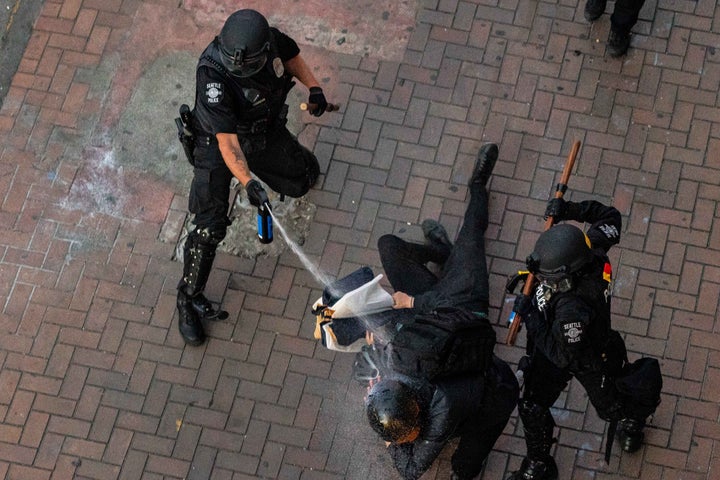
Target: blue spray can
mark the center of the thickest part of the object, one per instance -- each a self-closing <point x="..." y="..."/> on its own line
<point x="264" y="223"/>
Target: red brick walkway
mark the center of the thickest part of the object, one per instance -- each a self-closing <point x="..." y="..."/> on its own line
<point x="95" y="381"/>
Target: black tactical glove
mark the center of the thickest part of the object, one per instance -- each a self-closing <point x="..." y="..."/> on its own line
<point x="523" y="305"/>
<point x="256" y="193"/>
<point x="514" y="280"/>
<point x="318" y="101"/>
<point x="562" y="210"/>
<point x="556" y="208"/>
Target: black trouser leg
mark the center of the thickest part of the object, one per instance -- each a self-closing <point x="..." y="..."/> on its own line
<point x="284" y="164"/>
<point x="625" y="15"/>
<point x="405" y="264"/>
<point x="465" y="276"/>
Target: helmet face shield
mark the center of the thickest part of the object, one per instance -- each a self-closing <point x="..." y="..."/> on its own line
<point x="241" y="66"/>
<point x="559" y="252"/>
<point x="244" y="43"/>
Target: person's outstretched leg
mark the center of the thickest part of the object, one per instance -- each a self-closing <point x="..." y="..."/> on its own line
<point x="405" y="264"/>
<point x="465" y="278"/>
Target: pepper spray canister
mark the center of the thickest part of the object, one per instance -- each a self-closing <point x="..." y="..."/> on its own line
<point x="264" y="223"/>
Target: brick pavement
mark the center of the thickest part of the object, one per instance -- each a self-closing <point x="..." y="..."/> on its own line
<point x="96" y="382"/>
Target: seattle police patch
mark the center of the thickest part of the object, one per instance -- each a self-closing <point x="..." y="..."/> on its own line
<point x="214" y="92"/>
<point x="572" y="332"/>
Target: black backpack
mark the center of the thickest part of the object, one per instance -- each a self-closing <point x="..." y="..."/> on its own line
<point x="640" y="385"/>
<point x="446" y="342"/>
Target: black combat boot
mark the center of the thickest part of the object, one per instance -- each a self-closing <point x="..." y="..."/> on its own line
<point x="536" y="470"/>
<point x="487" y="156"/>
<point x="593" y="9"/>
<point x="205" y="309"/>
<point x="198" y="256"/>
<point x="189" y="324"/>
<point x="538" y="426"/>
<point x="630" y="434"/>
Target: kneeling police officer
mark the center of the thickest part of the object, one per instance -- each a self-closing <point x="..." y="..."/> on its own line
<point x="238" y="124"/>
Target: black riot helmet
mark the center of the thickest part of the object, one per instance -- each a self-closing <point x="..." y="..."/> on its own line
<point x="244" y="43"/>
<point x="559" y="252"/>
<point x="393" y="411"/>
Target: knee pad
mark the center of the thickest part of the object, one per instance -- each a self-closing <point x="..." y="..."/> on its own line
<point x="211" y="236"/>
<point x="534" y="415"/>
<point x="205" y="239"/>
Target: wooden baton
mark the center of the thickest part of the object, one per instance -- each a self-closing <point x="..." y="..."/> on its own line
<point x="515" y="319"/>
<point x="311" y="107"/>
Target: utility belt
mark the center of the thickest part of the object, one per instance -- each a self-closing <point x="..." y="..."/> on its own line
<point x="190" y="140"/>
<point x="258" y="127"/>
<point x="263" y="125"/>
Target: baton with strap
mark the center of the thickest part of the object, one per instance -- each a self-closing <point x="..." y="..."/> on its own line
<point x="515" y="320"/>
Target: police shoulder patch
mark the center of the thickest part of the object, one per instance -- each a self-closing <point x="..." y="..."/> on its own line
<point x="213" y="92"/>
<point x="572" y="332"/>
<point x="278" y="67"/>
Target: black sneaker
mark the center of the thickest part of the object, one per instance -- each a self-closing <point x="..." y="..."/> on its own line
<point x="435" y="233"/>
<point x="618" y="43"/>
<point x="593" y="9"/>
<point x="536" y="470"/>
<point x="487" y="156"/>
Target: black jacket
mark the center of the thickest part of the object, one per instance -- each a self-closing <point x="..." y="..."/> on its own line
<point x="455" y="407"/>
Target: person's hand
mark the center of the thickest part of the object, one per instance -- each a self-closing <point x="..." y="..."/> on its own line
<point x="369" y="337"/>
<point x="402" y="300"/>
<point x="387" y="444"/>
<point x="523" y="305"/>
<point x="556" y="208"/>
<point x="256" y="193"/>
<point x="371" y="384"/>
<point x="318" y="101"/>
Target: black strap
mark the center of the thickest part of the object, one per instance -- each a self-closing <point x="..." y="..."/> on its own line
<point x="612" y="428"/>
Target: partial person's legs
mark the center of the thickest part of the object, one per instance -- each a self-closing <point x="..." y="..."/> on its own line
<point x="209" y="202"/>
<point x="499" y="400"/>
<point x="465" y="278"/>
<point x="624" y="17"/>
<point x="594" y="9"/>
<point x="199" y="254"/>
<point x="543" y="384"/>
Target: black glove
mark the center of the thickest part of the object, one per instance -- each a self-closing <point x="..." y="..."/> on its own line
<point x="317" y="99"/>
<point x="556" y="208"/>
<point x="256" y="193"/>
<point x="523" y="305"/>
<point x="514" y="280"/>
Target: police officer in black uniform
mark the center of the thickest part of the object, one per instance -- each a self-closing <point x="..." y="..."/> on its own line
<point x="243" y="78"/>
<point x="569" y="333"/>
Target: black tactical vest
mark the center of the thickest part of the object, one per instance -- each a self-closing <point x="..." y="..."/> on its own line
<point x="259" y="101"/>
